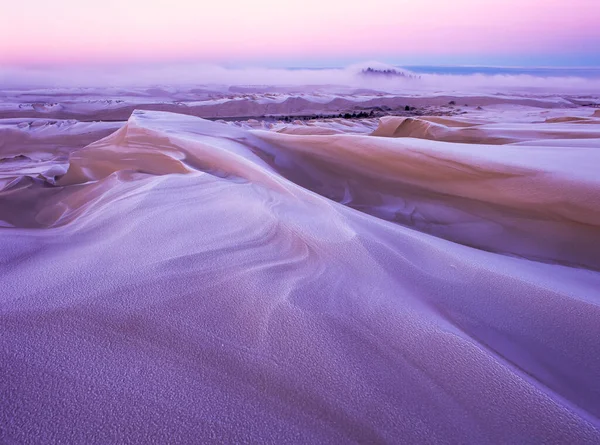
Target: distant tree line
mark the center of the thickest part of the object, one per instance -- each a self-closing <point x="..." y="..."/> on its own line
<point x="355" y="115"/>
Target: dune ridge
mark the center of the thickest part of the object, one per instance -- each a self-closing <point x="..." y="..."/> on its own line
<point x="461" y="130"/>
<point x="533" y="205"/>
<point x="219" y="103"/>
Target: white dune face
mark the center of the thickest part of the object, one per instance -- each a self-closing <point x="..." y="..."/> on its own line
<point x="187" y="281"/>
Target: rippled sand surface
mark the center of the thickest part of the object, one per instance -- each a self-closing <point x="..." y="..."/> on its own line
<point x="187" y="281"/>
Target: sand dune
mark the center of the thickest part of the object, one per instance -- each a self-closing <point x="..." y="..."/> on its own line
<point x="533" y="202"/>
<point x="118" y="104"/>
<point x="464" y="131"/>
<point x="43" y="139"/>
<point x="184" y="281"/>
<point x="574" y="119"/>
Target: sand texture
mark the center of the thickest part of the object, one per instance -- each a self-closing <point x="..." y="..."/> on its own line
<point x="170" y="279"/>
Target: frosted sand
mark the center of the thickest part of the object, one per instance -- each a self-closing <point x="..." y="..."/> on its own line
<point x="188" y="281"/>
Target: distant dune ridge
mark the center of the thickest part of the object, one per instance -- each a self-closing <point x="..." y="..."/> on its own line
<point x="412" y="278"/>
<point x="223" y="104"/>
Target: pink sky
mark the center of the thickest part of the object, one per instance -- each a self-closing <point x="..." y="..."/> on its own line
<point x="42" y="31"/>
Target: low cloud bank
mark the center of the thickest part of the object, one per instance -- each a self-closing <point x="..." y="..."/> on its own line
<point x="180" y="75"/>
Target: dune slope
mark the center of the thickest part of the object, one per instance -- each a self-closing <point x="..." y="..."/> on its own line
<point x="189" y="281"/>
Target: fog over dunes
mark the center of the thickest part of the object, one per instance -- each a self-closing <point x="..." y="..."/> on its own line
<point x="183" y="74"/>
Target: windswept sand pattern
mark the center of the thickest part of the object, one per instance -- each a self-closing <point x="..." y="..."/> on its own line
<point x="426" y="280"/>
